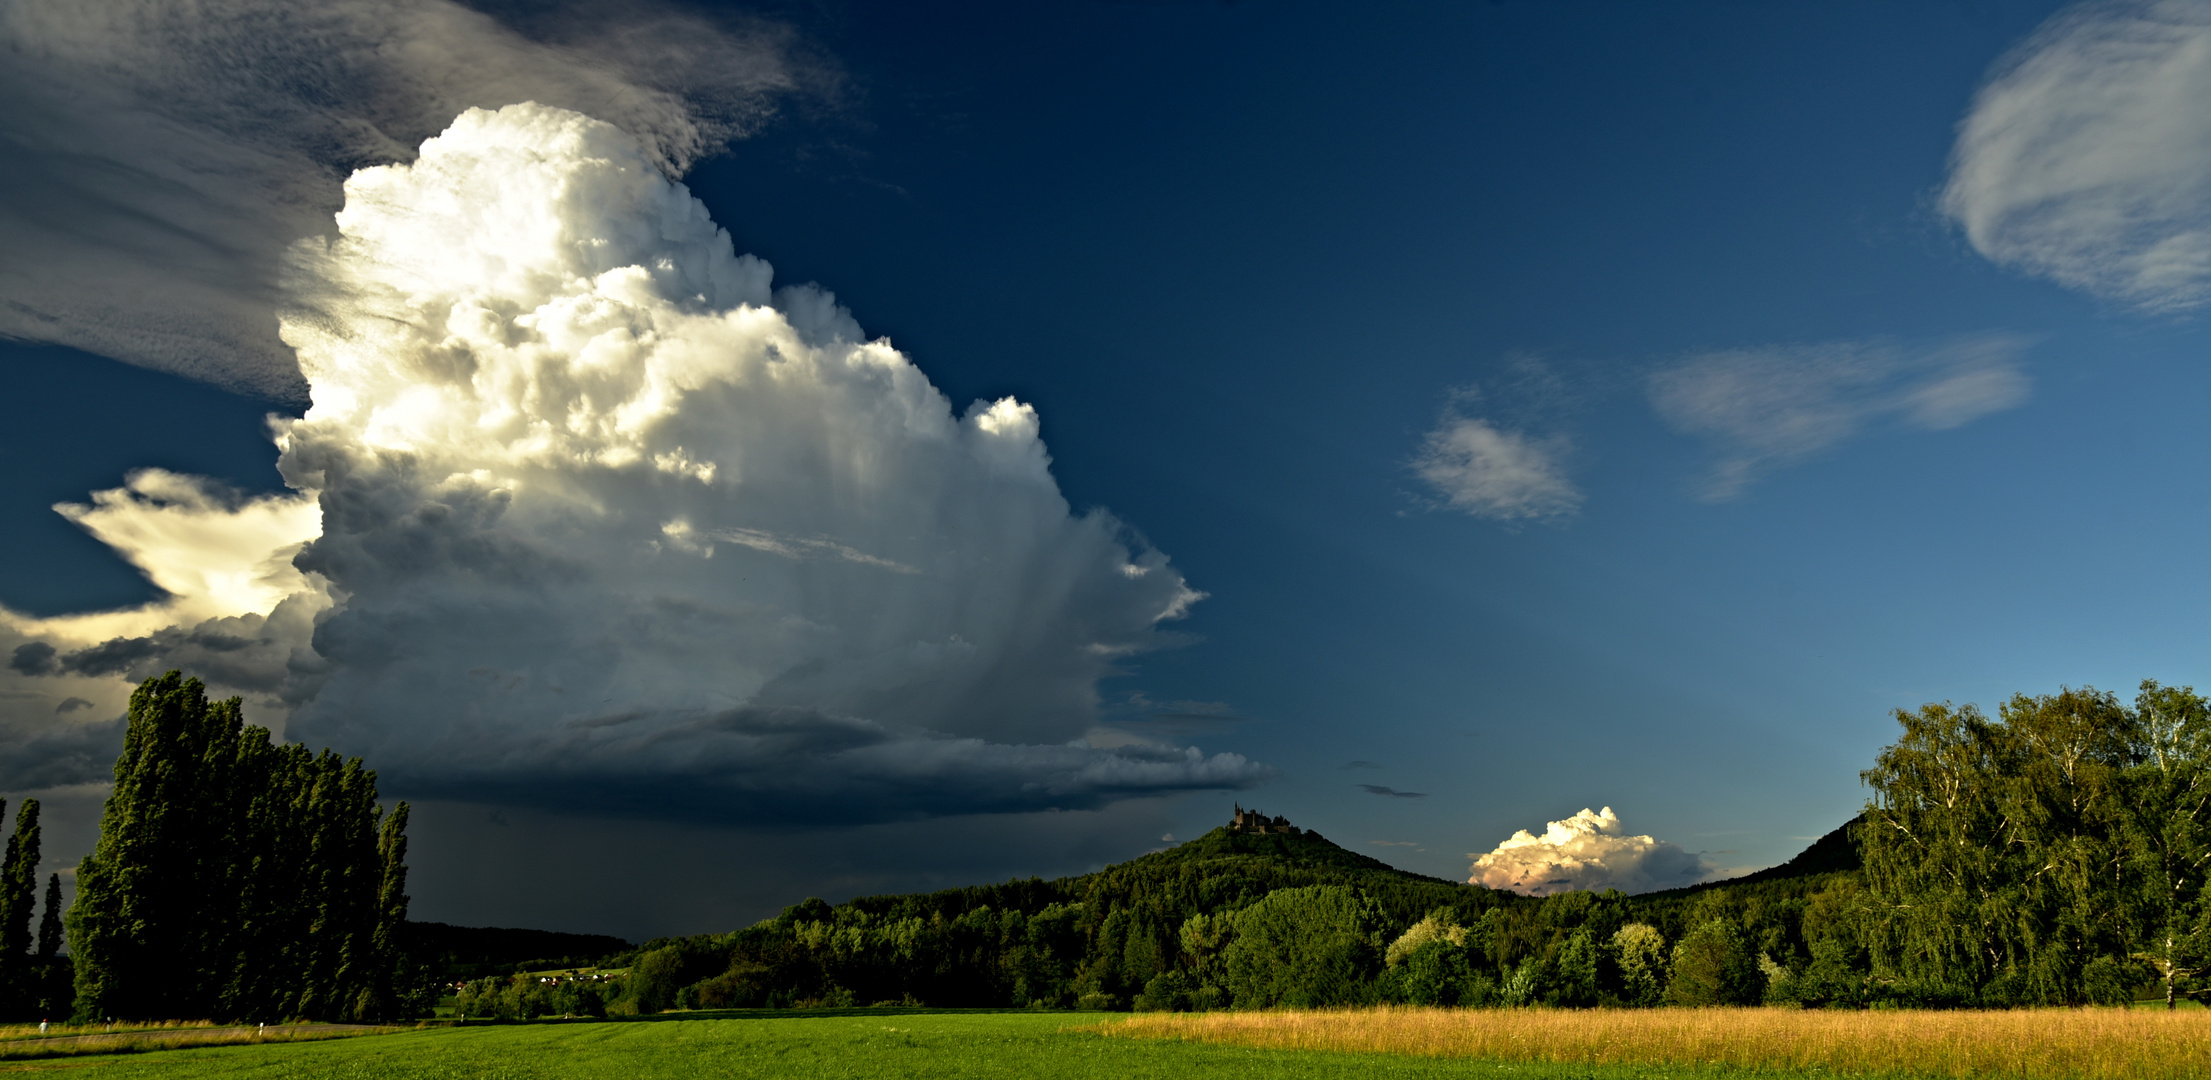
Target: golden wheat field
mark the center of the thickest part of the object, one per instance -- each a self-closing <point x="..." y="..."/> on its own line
<point x="2093" y="1044"/>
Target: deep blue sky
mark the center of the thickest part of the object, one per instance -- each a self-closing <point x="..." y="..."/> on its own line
<point x="1241" y="257"/>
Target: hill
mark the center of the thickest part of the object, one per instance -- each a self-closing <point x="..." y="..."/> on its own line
<point x="471" y="952"/>
<point x="1109" y="938"/>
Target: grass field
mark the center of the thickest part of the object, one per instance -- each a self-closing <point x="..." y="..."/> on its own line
<point x="23" y="1041"/>
<point x="867" y="1044"/>
<point x="2089" y="1044"/>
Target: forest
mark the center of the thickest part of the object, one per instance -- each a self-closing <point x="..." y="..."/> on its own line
<point x="2052" y="854"/>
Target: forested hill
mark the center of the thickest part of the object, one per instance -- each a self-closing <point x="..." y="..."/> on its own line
<point x="468" y="952"/>
<point x="1186" y="927"/>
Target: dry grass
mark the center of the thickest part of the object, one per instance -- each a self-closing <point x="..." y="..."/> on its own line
<point x="21" y="1041"/>
<point x="2090" y="1044"/>
<point x="59" y="1029"/>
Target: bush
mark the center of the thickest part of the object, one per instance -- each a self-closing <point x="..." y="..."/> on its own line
<point x="743" y="986"/>
<point x="1168" y="991"/>
<point x="1439" y="972"/>
<point x="1714" y="966"/>
<point x="1640" y="952"/>
<point x="1313" y="946"/>
<point x="2109" y="980"/>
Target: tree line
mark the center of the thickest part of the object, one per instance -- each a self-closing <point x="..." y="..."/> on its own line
<point x="2055" y="854"/>
<point x="34" y="978"/>
<point x="234" y="878"/>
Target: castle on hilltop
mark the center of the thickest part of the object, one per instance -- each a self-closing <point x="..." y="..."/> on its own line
<point x="1252" y="821"/>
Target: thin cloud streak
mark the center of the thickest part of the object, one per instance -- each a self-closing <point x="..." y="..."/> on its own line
<point x="1766" y="408"/>
<point x="157" y="160"/>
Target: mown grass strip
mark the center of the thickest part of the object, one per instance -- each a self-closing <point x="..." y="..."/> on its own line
<point x="2046" y="1044"/>
<point x="175" y="1035"/>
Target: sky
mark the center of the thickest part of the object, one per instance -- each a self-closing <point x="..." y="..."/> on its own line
<point x="840" y="448"/>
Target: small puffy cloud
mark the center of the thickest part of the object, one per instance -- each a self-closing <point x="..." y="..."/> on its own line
<point x="2086" y="158"/>
<point x="1768" y="407"/>
<point x="161" y="158"/>
<point x="1496" y="473"/>
<point x="583" y="505"/>
<point x="1588" y="851"/>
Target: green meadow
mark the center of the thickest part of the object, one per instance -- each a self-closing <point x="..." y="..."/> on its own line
<point x="867" y="1044"/>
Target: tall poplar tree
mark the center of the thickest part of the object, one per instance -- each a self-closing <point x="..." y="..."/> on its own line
<point x="49" y="923"/>
<point x="18" y="896"/>
<point x="234" y="878"/>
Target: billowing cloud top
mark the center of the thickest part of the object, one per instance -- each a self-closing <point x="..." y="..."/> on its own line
<point x="2086" y="158"/>
<point x="596" y="507"/>
<point x="1588" y="851"/>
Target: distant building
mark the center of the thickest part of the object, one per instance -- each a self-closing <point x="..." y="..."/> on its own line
<point x="1252" y="821"/>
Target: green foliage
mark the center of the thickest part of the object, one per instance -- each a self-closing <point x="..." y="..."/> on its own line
<point x="19" y="885"/>
<point x="1639" y="951"/>
<point x="1437" y="972"/>
<point x="27" y="981"/>
<point x="236" y="878"/>
<point x="1713" y="965"/>
<point x="1314" y="946"/>
<point x="527" y="997"/>
<point x="49" y="923"/>
<point x="2054" y="855"/>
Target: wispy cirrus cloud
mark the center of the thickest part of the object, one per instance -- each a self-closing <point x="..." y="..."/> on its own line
<point x="156" y="160"/>
<point x="2086" y="157"/>
<point x="1768" y="407"/>
<point x="1496" y="451"/>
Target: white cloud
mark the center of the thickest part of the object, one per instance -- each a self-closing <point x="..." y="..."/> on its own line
<point x="2086" y="158"/>
<point x="587" y="507"/>
<point x="1494" y="473"/>
<point x="157" y="159"/>
<point x="1768" y="407"/>
<point x="1588" y="851"/>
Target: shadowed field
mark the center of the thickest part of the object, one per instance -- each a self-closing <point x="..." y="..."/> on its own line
<point x="2090" y="1044"/>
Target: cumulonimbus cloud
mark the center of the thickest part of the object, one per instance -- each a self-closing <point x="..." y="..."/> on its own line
<point x="1589" y="851"/>
<point x="583" y="508"/>
<point x="156" y="160"/>
<point x="1764" y="408"/>
<point x="2086" y="158"/>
